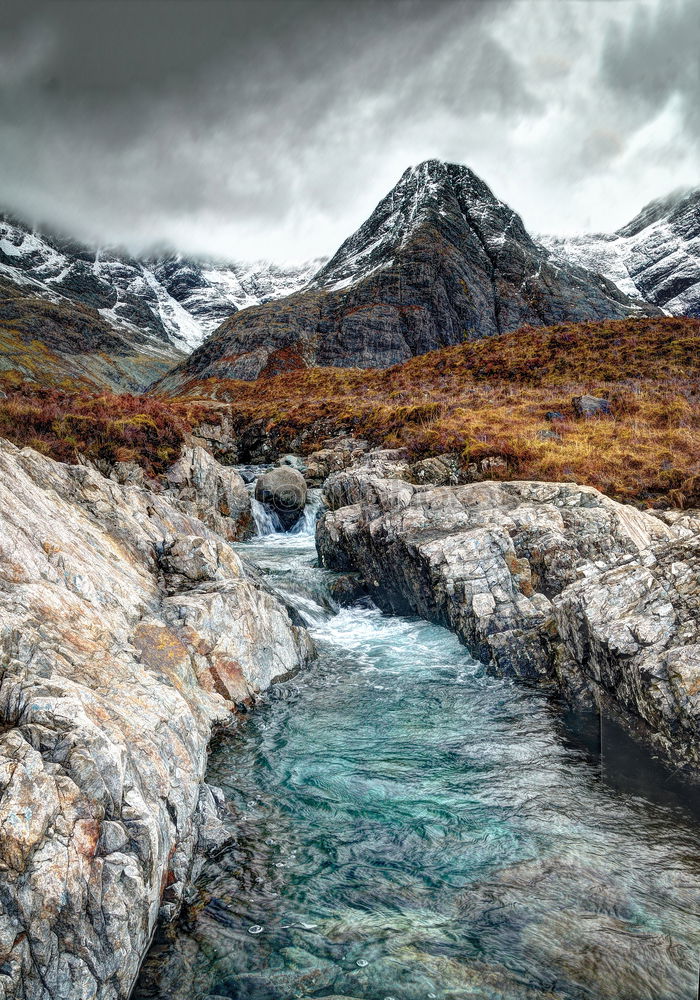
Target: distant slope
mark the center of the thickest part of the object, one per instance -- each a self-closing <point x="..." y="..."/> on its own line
<point x="440" y="260"/>
<point x="100" y="315"/>
<point x="656" y="256"/>
<point x="52" y="342"/>
<point x="176" y="300"/>
<point x="502" y="407"/>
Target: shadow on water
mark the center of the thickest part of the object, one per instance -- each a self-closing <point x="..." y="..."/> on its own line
<point x="405" y="826"/>
<point x="626" y="764"/>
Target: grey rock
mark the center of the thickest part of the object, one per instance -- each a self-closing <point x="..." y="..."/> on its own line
<point x="590" y="406"/>
<point x="112" y="683"/>
<point x="294" y="461"/>
<point x="283" y="490"/>
<point x="212" y="492"/>
<point x="441" y="470"/>
<point x="547" y="582"/>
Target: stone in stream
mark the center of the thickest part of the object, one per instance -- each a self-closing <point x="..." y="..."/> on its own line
<point x="129" y="630"/>
<point x="282" y="490"/>
<point x="548" y="582"/>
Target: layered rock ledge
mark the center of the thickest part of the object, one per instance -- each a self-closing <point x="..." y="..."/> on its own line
<point x="129" y="630"/>
<point x="548" y="582"/>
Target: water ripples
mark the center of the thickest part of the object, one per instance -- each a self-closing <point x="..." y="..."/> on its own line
<point x="409" y="827"/>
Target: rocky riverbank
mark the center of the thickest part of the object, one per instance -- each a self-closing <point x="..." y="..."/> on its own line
<point x="548" y="582"/>
<point x="129" y="631"/>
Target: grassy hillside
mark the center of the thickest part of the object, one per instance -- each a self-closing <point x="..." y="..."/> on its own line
<point x="489" y="399"/>
<point x="103" y="427"/>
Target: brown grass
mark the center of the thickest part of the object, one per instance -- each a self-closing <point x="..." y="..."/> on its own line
<point x="488" y="398"/>
<point x="104" y="427"/>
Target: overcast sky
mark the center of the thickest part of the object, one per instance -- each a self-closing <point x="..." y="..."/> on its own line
<point x="270" y="128"/>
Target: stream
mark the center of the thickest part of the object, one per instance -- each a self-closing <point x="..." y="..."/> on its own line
<point x="406" y="826"/>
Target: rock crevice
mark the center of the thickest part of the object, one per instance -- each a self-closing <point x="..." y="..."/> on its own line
<point x="549" y="582"/>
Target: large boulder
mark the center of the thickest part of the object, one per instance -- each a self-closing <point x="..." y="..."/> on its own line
<point x="283" y="491"/>
<point x="128" y="631"/>
<point x="212" y="492"/>
<point x="549" y="582"/>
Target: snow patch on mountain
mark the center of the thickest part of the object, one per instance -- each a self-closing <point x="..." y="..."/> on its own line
<point x="168" y="300"/>
<point x="656" y="256"/>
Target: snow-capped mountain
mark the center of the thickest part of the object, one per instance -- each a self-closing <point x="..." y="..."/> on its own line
<point x="656" y="256"/>
<point x="440" y="259"/>
<point x="168" y="299"/>
<point x="210" y="292"/>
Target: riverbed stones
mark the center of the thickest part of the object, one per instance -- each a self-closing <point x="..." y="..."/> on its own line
<point x="282" y="490"/>
<point x="549" y="582"/>
<point x="128" y="631"/>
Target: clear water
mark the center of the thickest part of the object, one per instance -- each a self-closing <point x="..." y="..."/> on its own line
<point x="406" y="826"/>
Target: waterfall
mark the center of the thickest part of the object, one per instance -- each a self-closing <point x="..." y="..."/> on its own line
<point x="266" y="520"/>
<point x="268" y="523"/>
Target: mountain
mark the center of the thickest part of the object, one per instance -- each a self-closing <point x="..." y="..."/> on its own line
<point x="656" y="256"/>
<point x="81" y="308"/>
<point x="54" y="340"/>
<point x="210" y="292"/>
<point x="439" y="261"/>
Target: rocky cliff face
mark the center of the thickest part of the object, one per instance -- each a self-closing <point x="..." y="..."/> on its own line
<point x="440" y="260"/>
<point x="51" y="340"/>
<point x="545" y="581"/>
<point x="172" y="298"/>
<point x="656" y="256"/>
<point x="128" y="632"/>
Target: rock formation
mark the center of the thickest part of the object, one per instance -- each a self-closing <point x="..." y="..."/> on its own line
<point x="440" y="260"/>
<point x="548" y="582"/>
<point x="655" y="256"/>
<point x="282" y="490"/>
<point x="129" y="631"/>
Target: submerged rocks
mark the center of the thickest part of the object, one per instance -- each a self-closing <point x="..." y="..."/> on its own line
<point x="544" y="581"/>
<point x="283" y="490"/>
<point x="128" y="631"/>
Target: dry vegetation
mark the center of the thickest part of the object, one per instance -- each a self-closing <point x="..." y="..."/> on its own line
<point x="69" y="423"/>
<point x="489" y="398"/>
<point x="483" y="399"/>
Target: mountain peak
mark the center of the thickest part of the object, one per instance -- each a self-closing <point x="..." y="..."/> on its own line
<point x="434" y="193"/>
<point x="671" y="207"/>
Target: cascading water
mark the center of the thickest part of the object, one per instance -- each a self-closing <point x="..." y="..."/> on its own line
<point x="405" y="826"/>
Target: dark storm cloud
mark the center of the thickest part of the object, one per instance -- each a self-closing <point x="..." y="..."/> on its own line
<point x="271" y="127"/>
<point x="655" y="59"/>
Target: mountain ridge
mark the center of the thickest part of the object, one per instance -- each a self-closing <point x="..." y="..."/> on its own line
<point x="439" y="260"/>
<point x="175" y="299"/>
<point x="656" y="255"/>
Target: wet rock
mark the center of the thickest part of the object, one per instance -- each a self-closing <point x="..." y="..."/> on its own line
<point x="112" y="682"/>
<point x="295" y="461"/>
<point x="215" y="494"/>
<point x="283" y="490"/>
<point x="553" y="415"/>
<point x="545" y="581"/>
<point x="590" y="406"/>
